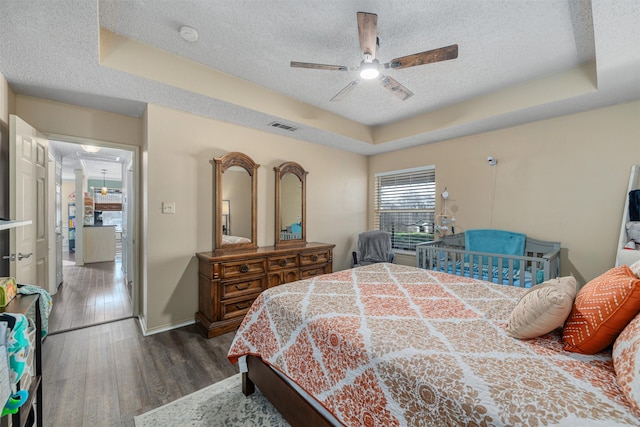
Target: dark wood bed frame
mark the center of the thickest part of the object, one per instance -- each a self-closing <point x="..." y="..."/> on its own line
<point x="291" y="405"/>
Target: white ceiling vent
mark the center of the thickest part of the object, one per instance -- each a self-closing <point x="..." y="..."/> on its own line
<point x="283" y="126"/>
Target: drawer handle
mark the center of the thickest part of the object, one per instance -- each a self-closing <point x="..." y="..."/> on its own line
<point x="244" y="268"/>
<point x="242" y="288"/>
<point x="283" y="262"/>
<point x="314" y="258"/>
<point x="242" y="306"/>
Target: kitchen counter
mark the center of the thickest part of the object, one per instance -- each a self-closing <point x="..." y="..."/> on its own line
<point x="99" y="243"/>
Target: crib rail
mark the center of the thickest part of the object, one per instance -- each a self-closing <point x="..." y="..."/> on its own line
<point x="285" y="235"/>
<point x="541" y="261"/>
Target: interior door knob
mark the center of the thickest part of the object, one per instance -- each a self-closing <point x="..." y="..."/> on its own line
<point x="21" y="256"/>
<point x="11" y="257"/>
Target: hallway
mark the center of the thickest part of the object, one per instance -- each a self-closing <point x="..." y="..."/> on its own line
<point x="90" y="294"/>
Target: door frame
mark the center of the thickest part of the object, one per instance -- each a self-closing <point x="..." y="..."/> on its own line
<point x="52" y="223"/>
<point x="135" y="205"/>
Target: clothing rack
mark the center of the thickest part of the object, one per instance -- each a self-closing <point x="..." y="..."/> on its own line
<point x="628" y="256"/>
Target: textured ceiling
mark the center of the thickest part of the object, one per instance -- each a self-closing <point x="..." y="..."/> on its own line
<point x="52" y="50"/>
<point x="256" y="40"/>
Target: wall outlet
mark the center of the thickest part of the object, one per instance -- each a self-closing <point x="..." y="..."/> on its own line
<point x="168" y="207"/>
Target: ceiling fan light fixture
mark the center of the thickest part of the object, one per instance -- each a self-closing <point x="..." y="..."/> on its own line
<point x="369" y="70"/>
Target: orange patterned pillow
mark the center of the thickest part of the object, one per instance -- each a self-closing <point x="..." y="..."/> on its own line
<point x="603" y="307"/>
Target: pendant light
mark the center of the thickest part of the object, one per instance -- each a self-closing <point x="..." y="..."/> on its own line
<point x="104" y="189"/>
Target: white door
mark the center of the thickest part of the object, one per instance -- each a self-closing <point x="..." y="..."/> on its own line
<point x="28" y="164"/>
<point x="54" y="225"/>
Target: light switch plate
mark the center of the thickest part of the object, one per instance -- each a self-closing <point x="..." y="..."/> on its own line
<point x="168" y="207"/>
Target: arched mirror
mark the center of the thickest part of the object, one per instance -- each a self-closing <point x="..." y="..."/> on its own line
<point x="234" y="201"/>
<point x="291" y="222"/>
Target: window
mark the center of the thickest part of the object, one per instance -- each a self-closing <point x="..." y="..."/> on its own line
<point x="405" y="204"/>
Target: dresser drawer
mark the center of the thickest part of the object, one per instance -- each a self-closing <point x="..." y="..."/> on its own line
<point x="244" y="287"/>
<point x="236" y="308"/>
<point x="282" y="262"/>
<point x="248" y="267"/>
<point x="316" y="257"/>
<point x="312" y="271"/>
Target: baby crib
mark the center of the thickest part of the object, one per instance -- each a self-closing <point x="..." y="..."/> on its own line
<point x="540" y="261"/>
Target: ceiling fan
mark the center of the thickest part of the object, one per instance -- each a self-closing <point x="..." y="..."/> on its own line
<point x="370" y="67"/>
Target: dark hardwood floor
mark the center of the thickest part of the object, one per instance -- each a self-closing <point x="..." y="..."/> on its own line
<point x="89" y="294"/>
<point x="104" y="375"/>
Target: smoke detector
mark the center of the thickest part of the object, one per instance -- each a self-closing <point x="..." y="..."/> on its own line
<point x="188" y="33"/>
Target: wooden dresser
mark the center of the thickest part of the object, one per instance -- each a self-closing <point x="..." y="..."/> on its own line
<point x="229" y="281"/>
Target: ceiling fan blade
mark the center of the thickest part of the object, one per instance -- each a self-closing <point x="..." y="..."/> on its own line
<point x="430" y="56"/>
<point x="345" y="91"/>
<point x="368" y="33"/>
<point x="395" y="88"/>
<point x="313" y="66"/>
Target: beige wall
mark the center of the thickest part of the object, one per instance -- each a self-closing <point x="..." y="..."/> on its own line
<point x="561" y="179"/>
<point x="63" y="119"/>
<point x="180" y="147"/>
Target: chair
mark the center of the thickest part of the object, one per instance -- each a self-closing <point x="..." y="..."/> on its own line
<point x="373" y="247"/>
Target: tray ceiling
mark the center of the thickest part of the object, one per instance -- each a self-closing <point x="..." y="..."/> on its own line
<point x="519" y="61"/>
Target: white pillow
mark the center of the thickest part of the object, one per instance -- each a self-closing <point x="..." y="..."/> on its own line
<point x="635" y="267"/>
<point x="543" y="308"/>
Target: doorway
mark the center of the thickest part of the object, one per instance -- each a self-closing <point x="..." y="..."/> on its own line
<point x="97" y="216"/>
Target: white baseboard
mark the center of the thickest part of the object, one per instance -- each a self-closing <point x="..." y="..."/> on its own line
<point x="147" y="332"/>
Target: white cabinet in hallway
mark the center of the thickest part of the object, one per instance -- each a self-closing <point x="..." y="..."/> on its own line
<point x="99" y="244"/>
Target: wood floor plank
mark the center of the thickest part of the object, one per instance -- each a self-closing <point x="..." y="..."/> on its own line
<point x="73" y="358"/>
<point x="65" y="405"/>
<point x="101" y="360"/>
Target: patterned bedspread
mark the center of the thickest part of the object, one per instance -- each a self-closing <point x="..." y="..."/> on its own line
<point x="390" y="345"/>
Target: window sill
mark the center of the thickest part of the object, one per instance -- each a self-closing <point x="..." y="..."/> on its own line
<point x="404" y="252"/>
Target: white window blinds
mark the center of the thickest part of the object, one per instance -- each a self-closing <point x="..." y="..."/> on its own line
<point x="405" y="203"/>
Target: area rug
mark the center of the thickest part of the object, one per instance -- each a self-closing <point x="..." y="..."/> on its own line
<point x="220" y="404"/>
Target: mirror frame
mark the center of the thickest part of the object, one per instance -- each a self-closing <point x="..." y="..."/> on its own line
<point x="221" y="164"/>
<point x="297" y="170"/>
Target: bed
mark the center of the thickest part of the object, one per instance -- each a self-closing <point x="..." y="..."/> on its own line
<point x="231" y="240"/>
<point x="534" y="262"/>
<point x="387" y="345"/>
